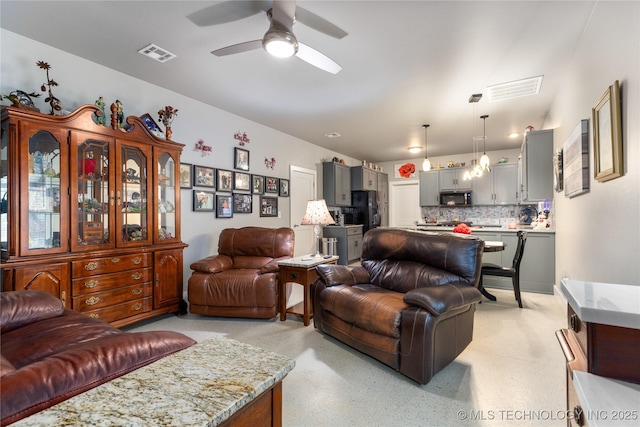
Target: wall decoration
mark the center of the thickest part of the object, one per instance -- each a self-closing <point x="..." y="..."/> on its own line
<point x="22" y="99"/>
<point x="242" y="181"/>
<point x="203" y="176"/>
<point x="270" y="163"/>
<point x="242" y="203"/>
<point x="284" y="188"/>
<point x="204" y="149"/>
<point x="268" y="206"/>
<point x="224" y="206"/>
<point x="407" y="170"/>
<point x="224" y="180"/>
<point x="203" y="201"/>
<point x="271" y="185"/>
<point x="257" y="184"/>
<point x="576" y="161"/>
<point x="242" y="138"/>
<point x="151" y="125"/>
<point x="607" y="135"/>
<point x="166" y="116"/>
<point x="52" y="100"/>
<point x="557" y="171"/>
<point x="241" y="159"/>
<point x="185" y="176"/>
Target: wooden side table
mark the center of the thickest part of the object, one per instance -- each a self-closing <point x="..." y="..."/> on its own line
<point x="301" y="270"/>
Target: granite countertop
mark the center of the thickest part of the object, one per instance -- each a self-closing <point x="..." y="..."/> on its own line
<point x="606" y="303"/>
<point x="202" y="385"/>
<point x="480" y="229"/>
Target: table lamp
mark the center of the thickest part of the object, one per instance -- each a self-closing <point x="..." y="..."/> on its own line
<point x="317" y="214"/>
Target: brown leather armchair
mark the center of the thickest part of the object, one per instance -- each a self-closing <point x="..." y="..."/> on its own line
<point x="242" y="280"/>
<point x="411" y="303"/>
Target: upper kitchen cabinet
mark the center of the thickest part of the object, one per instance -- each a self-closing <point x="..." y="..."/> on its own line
<point x="336" y="184"/>
<point x="452" y="179"/>
<point x="536" y="166"/>
<point x="91" y="214"/>
<point x="498" y="187"/>
<point x="429" y="188"/>
<point x="363" y="178"/>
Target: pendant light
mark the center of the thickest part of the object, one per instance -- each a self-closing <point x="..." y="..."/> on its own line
<point x="484" y="160"/>
<point x="426" y="164"/>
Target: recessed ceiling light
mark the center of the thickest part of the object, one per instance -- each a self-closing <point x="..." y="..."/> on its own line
<point x="156" y="52"/>
<point x="415" y="149"/>
<point x="515" y="89"/>
<point x="332" y="135"/>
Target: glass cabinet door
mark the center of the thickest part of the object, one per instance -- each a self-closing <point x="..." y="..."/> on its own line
<point x="93" y="197"/>
<point x="4" y="192"/>
<point x="167" y="196"/>
<point x="132" y="196"/>
<point x="44" y="213"/>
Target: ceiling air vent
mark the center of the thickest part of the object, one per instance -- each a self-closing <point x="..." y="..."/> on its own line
<point x="515" y="89"/>
<point x="157" y="53"/>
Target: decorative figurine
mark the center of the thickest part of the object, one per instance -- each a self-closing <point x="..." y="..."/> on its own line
<point x="101" y="117"/>
<point x="166" y="116"/>
<point x="119" y="114"/>
<point x="52" y="100"/>
<point x="22" y="99"/>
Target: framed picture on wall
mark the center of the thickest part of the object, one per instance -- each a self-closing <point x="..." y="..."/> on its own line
<point x="607" y="135"/>
<point x="268" y="206"/>
<point x="185" y="175"/>
<point x="242" y="181"/>
<point x="224" y="206"/>
<point x="271" y="185"/>
<point x="203" y="176"/>
<point x="241" y="159"/>
<point x="203" y="201"/>
<point x="242" y="203"/>
<point x="284" y="188"/>
<point x="257" y="184"/>
<point x="224" y="180"/>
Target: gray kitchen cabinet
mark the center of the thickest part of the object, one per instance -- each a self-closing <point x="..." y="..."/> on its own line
<point x="498" y="187"/>
<point x="336" y="184"/>
<point x="536" y="166"/>
<point x="538" y="267"/>
<point x="452" y="179"/>
<point x="429" y="188"/>
<point x="349" y="242"/>
<point x="363" y="178"/>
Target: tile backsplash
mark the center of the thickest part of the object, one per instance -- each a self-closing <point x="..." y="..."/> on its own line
<point x="481" y="215"/>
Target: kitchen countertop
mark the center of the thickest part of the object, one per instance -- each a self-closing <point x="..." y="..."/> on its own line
<point x="605" y="303"/>
<point x="480" y="229"/>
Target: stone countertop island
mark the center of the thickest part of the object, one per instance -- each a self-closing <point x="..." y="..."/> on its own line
<point x="203" y="385"/>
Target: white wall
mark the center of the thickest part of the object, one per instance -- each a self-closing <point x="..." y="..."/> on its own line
<point x="82" y="82"/>
<point x="598" y="233"/>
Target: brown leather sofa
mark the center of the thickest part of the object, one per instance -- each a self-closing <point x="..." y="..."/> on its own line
<point x="50" y="354"/>
<point x="411" y="302"/>
<point x="242" y="279"/>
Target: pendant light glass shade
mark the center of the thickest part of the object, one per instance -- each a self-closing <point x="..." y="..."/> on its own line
<point x="426" y="164"/>
<point x="484" y="160"/>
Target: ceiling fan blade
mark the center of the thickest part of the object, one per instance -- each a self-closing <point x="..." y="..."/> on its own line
<point x="318" y="23"/>
<point x="284" y="11"/>
<point x="317" y="59"/>
<point x="238" y="48"/>
<point x="227" y="11"/>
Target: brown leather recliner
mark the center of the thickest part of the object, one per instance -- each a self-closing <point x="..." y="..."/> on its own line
<point x="411" y="303"/>
<point x="242" y="280"/>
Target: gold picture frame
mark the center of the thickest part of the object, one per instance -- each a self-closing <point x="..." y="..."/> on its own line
<point x="607" y="135"/>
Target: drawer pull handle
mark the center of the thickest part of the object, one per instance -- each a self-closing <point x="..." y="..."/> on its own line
<point x="574" y="322"/>
<point x="91" y="266"/>
<point x="93" y="300"/>
<point x="136" y="276"/>
<point x="137" y="260"/>
<point x="115" y="260"/>
<point x="293" y="275"/>
<point x="91" y="284"/>
<point x="136" y="291"/>
<point x="94" y="316"/>
<point x="137" y="307"/>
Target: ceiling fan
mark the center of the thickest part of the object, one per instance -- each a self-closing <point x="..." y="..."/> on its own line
<point x="279" y="39"/>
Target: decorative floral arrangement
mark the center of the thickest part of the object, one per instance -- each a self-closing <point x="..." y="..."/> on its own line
<point x="462" y="229"/>
<point x="205" y="149"/>
<point x="270" y="163"/>
<point x="407" y="170"/>
<point x="242" y="138"/>
<point x="167" y="115"/>
<point x="52" y="100"/>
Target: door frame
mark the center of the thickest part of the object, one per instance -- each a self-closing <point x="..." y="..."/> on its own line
<point x="392" y="197"/>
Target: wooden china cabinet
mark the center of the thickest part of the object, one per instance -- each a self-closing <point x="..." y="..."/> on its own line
<point x="91" y="214"/>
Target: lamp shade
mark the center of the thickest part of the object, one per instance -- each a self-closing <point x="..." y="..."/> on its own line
<point x="317" y="213"/>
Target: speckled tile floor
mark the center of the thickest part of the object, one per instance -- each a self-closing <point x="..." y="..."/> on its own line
<point x="511" y="374"/>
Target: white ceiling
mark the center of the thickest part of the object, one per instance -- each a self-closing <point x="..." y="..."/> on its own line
<point x="405" y="63"/>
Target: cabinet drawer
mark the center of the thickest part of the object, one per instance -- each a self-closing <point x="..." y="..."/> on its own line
<point x="116" y="296"/>
<point x="99" y="283"/>
<point x="90" y="267"/>
<point x="354" y="231"/>
<point x="121" y="311"/>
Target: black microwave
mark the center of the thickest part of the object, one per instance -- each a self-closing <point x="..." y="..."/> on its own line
<point x="455" y="198"/>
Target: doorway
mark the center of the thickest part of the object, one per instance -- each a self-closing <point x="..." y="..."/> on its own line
<point x="303" y="189"/>
<point x="404" y="203"/>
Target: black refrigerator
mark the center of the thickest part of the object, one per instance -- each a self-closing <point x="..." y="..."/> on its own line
<point x="366" y="205"/>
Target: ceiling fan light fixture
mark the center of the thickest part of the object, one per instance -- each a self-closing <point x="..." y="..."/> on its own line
<point x="414" y="150"/>
<point x="279" y="43"/>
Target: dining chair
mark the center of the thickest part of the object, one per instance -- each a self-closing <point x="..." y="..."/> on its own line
<point x="513" y="271"/>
